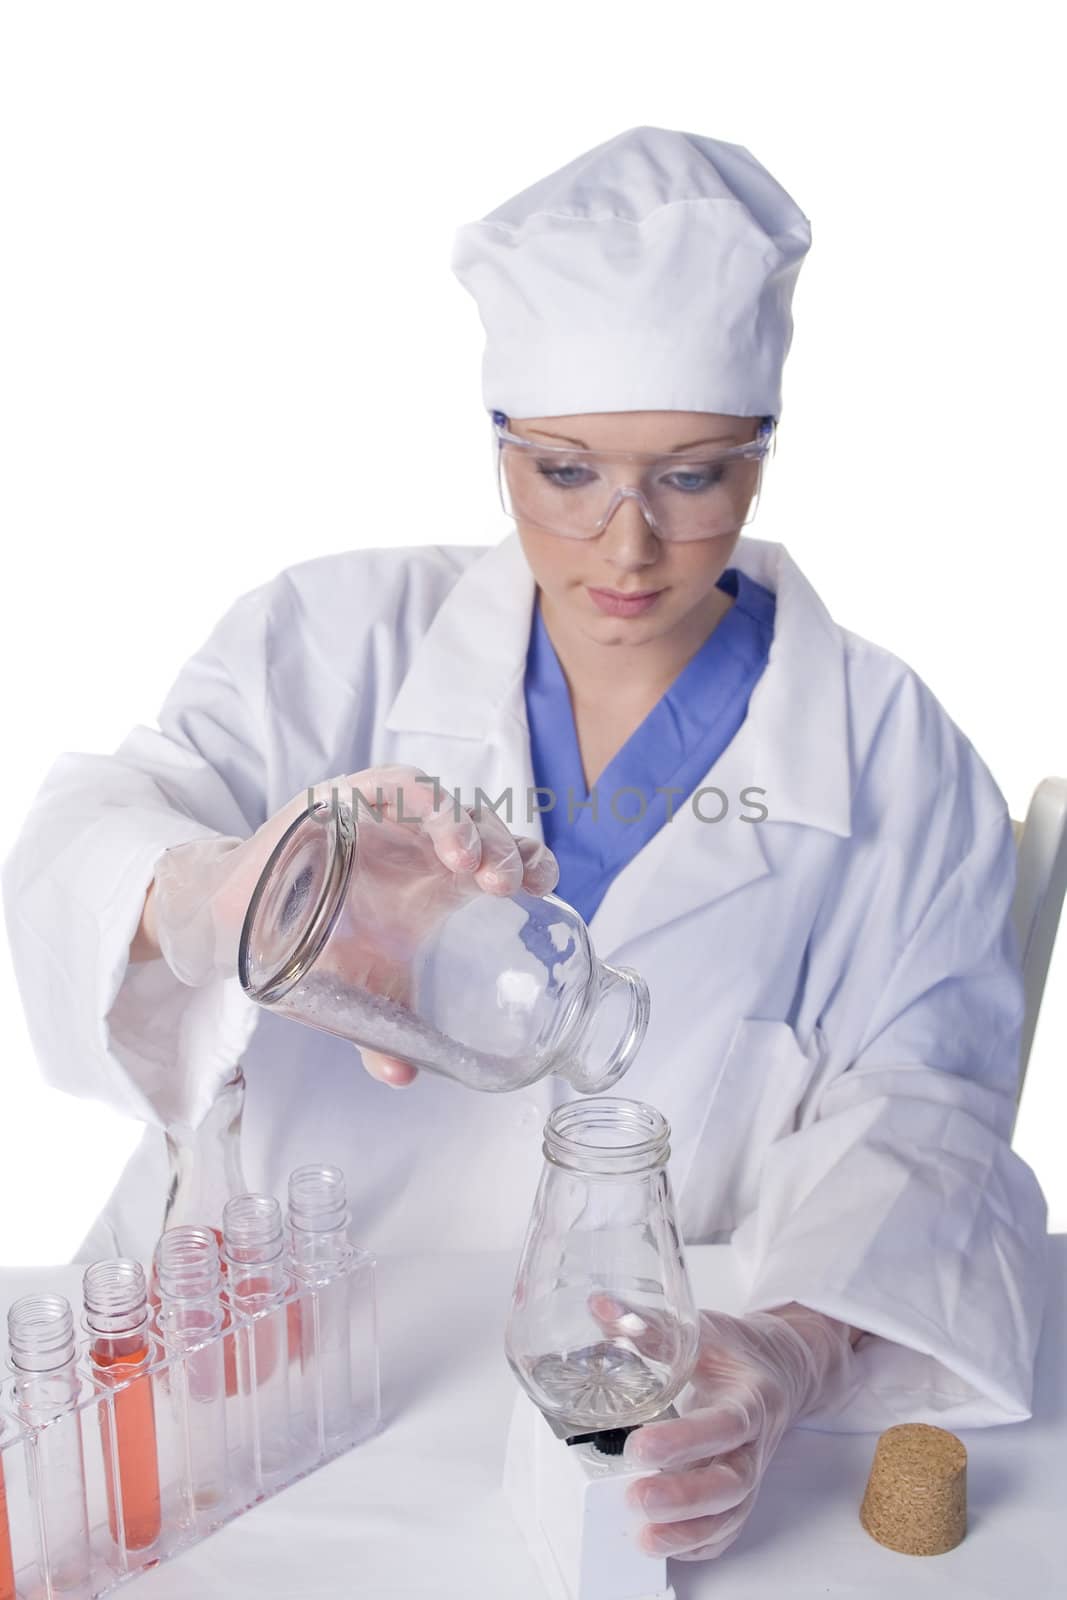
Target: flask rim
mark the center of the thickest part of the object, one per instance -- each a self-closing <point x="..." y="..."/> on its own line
<point x="607" y="1137"/>
<point x="318" y="924"/>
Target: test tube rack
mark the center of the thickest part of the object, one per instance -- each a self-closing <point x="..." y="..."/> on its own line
<point x="326" y="1332"/>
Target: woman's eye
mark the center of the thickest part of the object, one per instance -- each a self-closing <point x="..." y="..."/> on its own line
<point x="693" y="480"/>
<point x="565" y="477"/>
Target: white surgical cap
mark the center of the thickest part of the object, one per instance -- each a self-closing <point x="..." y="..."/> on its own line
<point x="653" y="273"/>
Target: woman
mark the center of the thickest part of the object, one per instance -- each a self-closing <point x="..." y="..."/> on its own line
<point x="802" y="854"/>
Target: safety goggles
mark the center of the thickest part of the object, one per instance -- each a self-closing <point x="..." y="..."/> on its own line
<point x="693" y="494"/>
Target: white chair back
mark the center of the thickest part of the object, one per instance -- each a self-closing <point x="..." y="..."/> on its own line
<point x="1039" y="892"/>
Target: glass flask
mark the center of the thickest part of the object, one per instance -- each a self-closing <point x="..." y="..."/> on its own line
<point x="603" y="1225"/>
<point x="205" y="1162"/>
<point x="358" y="928"/>
<point x="205" y="1174"/>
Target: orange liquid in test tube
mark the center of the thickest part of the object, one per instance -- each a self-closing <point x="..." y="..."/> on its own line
<point x="135" y="1436"/>
<point x="7" y="1569"/>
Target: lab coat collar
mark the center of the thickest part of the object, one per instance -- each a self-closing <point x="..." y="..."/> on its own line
<point x="469" y="668"/>
<point x="797" y="729"/>
<point x="463" y="698"/>
<point x="465" y="668"/>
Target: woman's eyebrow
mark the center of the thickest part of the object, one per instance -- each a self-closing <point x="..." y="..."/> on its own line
<point x="722" y="438"/>
<point x="562" y="436"/>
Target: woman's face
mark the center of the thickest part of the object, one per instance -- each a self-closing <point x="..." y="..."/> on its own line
<point x="582" y="579"/>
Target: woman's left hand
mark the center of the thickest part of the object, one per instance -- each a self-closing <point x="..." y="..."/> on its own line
<point x="754" y="1376"/>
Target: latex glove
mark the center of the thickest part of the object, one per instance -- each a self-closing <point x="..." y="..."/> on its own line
<point x="196" y="905"/>
<point x="754" y="1376"/>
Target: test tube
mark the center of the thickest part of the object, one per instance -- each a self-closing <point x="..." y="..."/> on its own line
<point x="228" y="1357"/>
<point x="190" y="1313"/>
<point x="256" y="1284"/>
<point x="116" y="1318"/>
<point x="319" y="1254"/>
<point x="7" y="1564"/>
<point x="47" y="1389"/>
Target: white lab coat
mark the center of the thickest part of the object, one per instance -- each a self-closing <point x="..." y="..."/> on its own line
<point x="836" y="1002"/>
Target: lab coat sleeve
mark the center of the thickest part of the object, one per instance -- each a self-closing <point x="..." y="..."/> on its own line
<point x="131" y="1035"/>
<point x="897" y="1204"/>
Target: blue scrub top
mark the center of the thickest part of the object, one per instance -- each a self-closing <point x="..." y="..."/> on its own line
<point x="674" y="747"/>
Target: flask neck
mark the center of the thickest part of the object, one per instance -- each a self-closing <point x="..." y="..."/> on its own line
<point x="611" y="1031"/>
<point x="205" y="1161"/>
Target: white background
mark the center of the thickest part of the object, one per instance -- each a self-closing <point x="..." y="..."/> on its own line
<point x="231" y="340"/>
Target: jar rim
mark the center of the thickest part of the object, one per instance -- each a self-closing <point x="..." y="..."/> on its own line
<point x="289" y="962"/>
<point x="608" y="1136"/>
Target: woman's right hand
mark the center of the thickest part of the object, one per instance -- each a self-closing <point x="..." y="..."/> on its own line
<point x="195" y="907"/>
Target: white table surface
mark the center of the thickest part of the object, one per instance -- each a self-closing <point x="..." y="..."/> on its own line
<point x="419" y="1509"/>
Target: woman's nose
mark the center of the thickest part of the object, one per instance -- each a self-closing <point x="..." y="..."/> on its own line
<point x="628" y="540"/>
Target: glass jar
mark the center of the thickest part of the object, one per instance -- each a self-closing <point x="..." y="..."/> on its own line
<point x="603" y="1229"/>
<point x="357" y="928"/>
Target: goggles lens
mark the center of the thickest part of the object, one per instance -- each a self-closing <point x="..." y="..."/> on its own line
<point x="574" y="493"/>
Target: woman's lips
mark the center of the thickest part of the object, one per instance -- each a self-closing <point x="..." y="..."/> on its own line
<point x="614" y="604"/>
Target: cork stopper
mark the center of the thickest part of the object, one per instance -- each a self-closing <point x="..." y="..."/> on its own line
<point x="916" y="1498"/>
